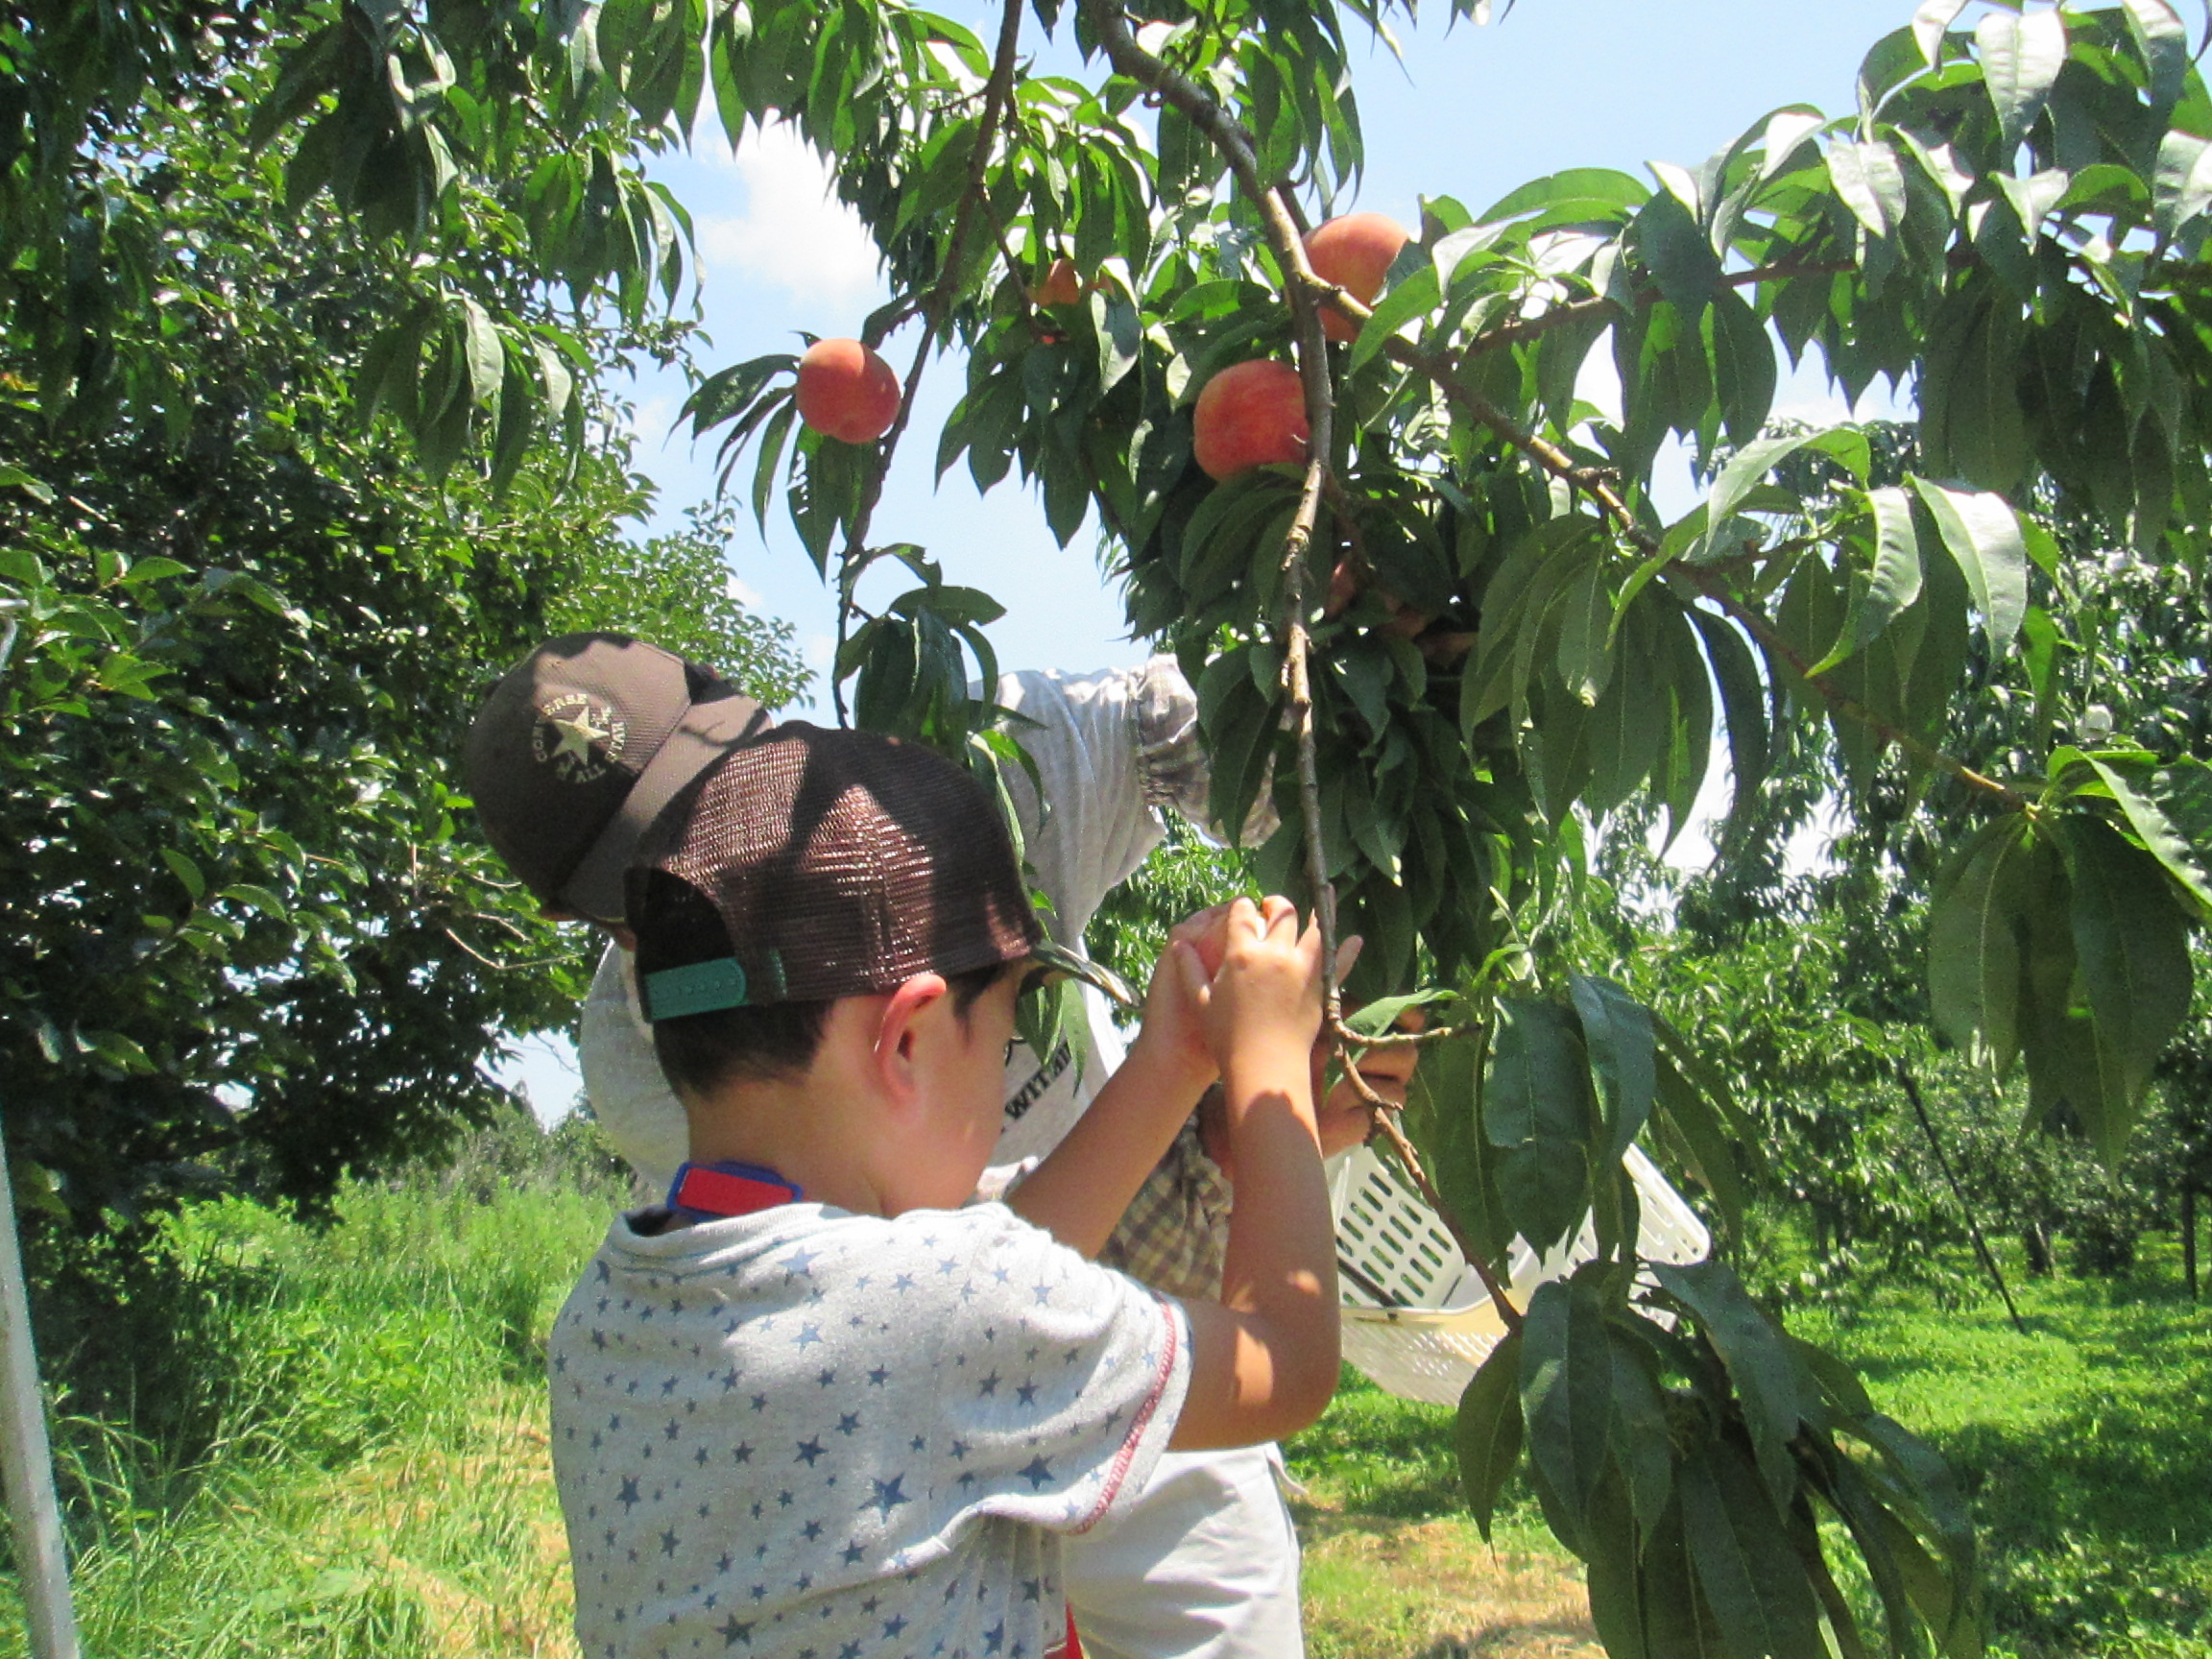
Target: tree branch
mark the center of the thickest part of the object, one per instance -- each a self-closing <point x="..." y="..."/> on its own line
<point x="1279" y="215"/>
<point x="998" y="93"/>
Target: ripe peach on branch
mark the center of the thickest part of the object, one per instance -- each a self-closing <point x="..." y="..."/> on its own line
<point x="1059" y="286"/>
<point x="1249" y="414"/>
<point x="1354" y="252"/>
<point x="847" y="391"/>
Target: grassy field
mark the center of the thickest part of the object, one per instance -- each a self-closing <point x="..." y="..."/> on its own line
<point x="366" y="1474"/>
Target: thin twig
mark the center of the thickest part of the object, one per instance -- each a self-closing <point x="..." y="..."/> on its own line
<point x="1344" y="1033"/>
<point x="1501" y="1294"/>
<point x="499" y="966"/>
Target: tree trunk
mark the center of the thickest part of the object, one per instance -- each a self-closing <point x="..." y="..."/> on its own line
<point x="2189" y="1239"/>
<point x="2037" y="1244"/>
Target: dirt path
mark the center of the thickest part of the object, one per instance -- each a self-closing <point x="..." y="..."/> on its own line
<point x="1386" y="1589"/>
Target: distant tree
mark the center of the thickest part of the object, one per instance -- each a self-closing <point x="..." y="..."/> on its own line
<point x="249" y="937"/>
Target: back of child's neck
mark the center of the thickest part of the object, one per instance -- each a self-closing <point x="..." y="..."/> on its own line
<point x="786" y="1129"/>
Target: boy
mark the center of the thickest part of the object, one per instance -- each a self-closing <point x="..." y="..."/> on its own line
<point x="568" y="759"/>
<point x="815" y="1408"/>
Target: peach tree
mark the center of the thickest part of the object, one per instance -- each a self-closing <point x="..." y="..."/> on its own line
<point x="1463" y="631"/>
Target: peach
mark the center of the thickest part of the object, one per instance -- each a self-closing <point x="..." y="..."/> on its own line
<point x="847" y="391"/>
<point x="1061" y="285"/>
<point x="1248" y="414"/>
<point x="1355" y="252"/>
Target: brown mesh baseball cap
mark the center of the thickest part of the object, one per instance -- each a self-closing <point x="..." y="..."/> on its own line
<point x="577" y="749"/>
<point x="821" y="863"/>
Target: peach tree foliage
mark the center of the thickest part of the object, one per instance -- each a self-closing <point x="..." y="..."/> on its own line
<point x="1464" y="628"/>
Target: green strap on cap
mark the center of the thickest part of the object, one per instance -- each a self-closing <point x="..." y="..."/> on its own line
<point x="701" y="988"/>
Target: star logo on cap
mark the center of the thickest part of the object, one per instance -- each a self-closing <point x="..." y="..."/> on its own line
<point x="578" y="737"/>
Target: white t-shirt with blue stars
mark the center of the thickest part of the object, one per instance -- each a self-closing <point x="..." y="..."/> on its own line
<point x="819" y="1435"/>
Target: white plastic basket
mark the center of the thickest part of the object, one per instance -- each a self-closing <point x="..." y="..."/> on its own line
<point x="1416" y="1318"/>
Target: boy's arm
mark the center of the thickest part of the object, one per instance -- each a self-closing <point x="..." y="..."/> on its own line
<point x="1265" y="1357"/>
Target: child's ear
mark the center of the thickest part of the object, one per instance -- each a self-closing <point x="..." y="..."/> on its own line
<point x="905" y="1013"/>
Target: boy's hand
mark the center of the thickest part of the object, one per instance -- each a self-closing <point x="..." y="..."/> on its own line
<point x="1265" y="1001"/>
<point x="1173" y="1031"/>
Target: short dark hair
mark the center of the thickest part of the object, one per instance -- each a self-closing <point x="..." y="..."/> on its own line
<point x="701" y="1053"/>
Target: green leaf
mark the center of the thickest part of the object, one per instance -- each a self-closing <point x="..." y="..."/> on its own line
<point x="1930" y="21"/>
<point x="121" y="1052"/>
<point x="1539" y="1108"/>
<point x="1972" y="424"/>
<point x="486" y="357"/>
<point x="2132" y="946"/>
<point x="1749" y="470"/>
<point x="2164" y="43"/>
<point x="1585" y="625"/>
<point x="1743" y="704"/>
<point x="1895" y="581"/>
<point x="1414" y="295"/>
<point x="1565" y="1402"/>
<point x="1117" y="328"/>
<point x="1673" y="247"/>
<point x="1760" y="1363"/>
<point x="1983" y="535"/>
<point x="772" y="437"/>
<point x="1974" y="930"/>
<point x="2021" y="56"/>
<point x="2185" y="864"/>
<point x="1487" y="1431"/>
<point x="1711" y="1146"/>
<point x="2182" y="189"/>
<point x="1751" y="1577"/>
<point x="257" y="898"/>
<point x="1643" y="1449"/>
<point x="1617" y="1033"/>
<point x="186" y="871"/>
<point x="1743" y="368"/>
<point x="16" y="478"/>
<point x="1872" y="183"/>
<point x="1788" y="133"/>
<point x="1580" y="195"/>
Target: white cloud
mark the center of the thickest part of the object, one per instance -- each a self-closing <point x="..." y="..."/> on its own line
<point x="652" y="419"/>
<point x="792" y="233"/>
<point x="746" y="594"/>
<point x="818" y="650"/>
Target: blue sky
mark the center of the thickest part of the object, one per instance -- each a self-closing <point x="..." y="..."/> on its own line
<point x="1469" y="113"/>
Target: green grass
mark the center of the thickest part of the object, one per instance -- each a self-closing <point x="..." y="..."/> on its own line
<point x="338" y="1450"/>
<point x="345" y="1454"/>
<point x="2085" y="1447"/>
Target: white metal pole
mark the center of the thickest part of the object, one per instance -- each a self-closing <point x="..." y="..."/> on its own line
<point x="26" y="1460"/>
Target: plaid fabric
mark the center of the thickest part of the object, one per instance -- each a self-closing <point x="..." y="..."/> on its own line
<point x="1174" y="1236"/>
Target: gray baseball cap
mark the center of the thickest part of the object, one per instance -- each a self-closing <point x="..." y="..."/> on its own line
<point x="579" y="747"/>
